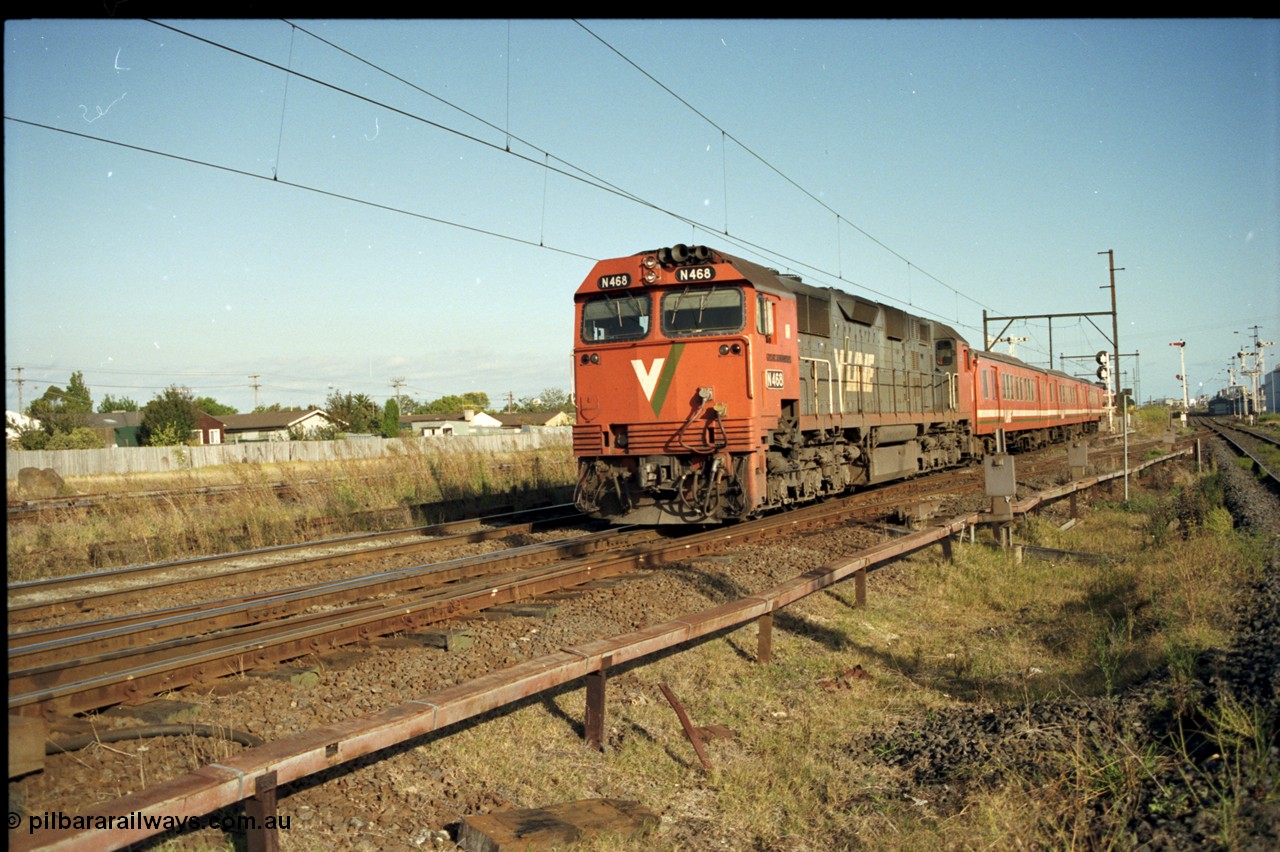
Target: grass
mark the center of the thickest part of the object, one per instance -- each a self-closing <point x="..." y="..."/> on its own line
<point x="338" y="495"/>
<point x="812" y="768"/>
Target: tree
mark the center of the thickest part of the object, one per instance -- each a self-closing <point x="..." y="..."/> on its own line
<point x="355" y="413"/>
<point x="30" y="437"/>
<point x="477" y="400"/>
<point x="61" y="410"/>
<point x="391" y="419"/>
<point x="112" y="403"/>
<point x="168" y="419"/>
<point x="555" y="399"/>
<point x="209" y="405"/>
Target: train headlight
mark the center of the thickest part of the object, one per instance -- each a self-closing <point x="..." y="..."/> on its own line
<point x="593" y="358"/>
<point x="726" y="348"/>
<point x="650" y="276"/>
<point x="649" y="262"/>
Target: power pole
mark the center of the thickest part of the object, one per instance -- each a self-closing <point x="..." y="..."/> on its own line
<point x="19" y="381"/>
<point x="398" y="383"/>
<point x="254" y="384"/>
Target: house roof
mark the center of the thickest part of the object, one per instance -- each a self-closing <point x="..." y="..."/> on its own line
<point x="266" y="419"/>
<point x="113" y="419"/>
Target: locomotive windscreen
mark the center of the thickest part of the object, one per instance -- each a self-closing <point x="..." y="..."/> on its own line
<point x="702" y="310"/>
<point x="611" y="317"/>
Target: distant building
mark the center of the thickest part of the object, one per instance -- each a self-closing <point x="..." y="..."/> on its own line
<point x="467" y="422"/>
<point x="1270" y="389"/>
<point x="525" y="421"/>
<point x="261" y="426"/>
<point x="16" y="422"/>
<point x="116" y="428"/>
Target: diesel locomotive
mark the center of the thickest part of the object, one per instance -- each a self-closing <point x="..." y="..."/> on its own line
<point x="710" y="389"/>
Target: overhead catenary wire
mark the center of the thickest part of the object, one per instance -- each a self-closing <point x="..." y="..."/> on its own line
<point x="547" y="161"/>
<point x="582" y="174"/>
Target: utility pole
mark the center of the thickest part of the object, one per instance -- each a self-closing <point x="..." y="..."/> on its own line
<point x="398" y="383"/>
<point x="254" y="384"/>
<point x="19" y="381"/>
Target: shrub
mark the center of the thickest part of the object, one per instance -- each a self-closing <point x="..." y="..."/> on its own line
<point x="80" y="438"/>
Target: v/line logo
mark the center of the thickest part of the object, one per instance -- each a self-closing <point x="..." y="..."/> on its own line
<point x="655" y="380"/>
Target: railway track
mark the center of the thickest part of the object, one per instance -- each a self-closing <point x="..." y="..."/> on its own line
<point x="63" y="668"/>
<point x="78" y="667"/>
<point x="49" y="598"/>
<point x="1259" y="447"/>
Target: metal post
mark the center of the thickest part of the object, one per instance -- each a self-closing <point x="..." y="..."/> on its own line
<point x="260" y="808"/>
<point x="764" y="644"/>
<point x="860" y="588"/>
<point x="593" y="723"/>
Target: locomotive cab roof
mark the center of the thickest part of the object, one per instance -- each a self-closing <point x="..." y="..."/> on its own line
<point x="856" y="308"/>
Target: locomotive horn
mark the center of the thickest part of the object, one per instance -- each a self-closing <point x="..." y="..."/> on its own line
<point x="700" y="253"/>
<point x="679" y="253"/>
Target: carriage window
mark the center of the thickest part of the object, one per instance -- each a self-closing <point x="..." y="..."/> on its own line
<point x="702" y="310"/>
<point x="610" y="317"/>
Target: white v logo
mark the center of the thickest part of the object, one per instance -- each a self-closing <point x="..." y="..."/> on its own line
<point x="648" y="378"/>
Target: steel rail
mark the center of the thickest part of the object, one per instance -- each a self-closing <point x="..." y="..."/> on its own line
<point x="90" y="594"/>
<point x="132" y="632"/>
<point x="1259" y="466"/>
<point x="49" y="688"/>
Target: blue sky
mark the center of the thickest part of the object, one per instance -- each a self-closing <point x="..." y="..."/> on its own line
<point x="946" y="166"/>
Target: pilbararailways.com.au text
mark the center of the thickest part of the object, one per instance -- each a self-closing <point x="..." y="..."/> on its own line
<point x="136" y="820"/>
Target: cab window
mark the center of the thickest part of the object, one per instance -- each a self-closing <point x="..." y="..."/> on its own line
<point x="610" y="317"/>
<point x="696" y="311"/>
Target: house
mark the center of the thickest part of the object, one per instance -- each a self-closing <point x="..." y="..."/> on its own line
<point x="16" y="422"/>
<point x="262" y="426"/>
<point x="116" y="428"/>
<point x="468" y="422"/>
<point x="526" y="421"/>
